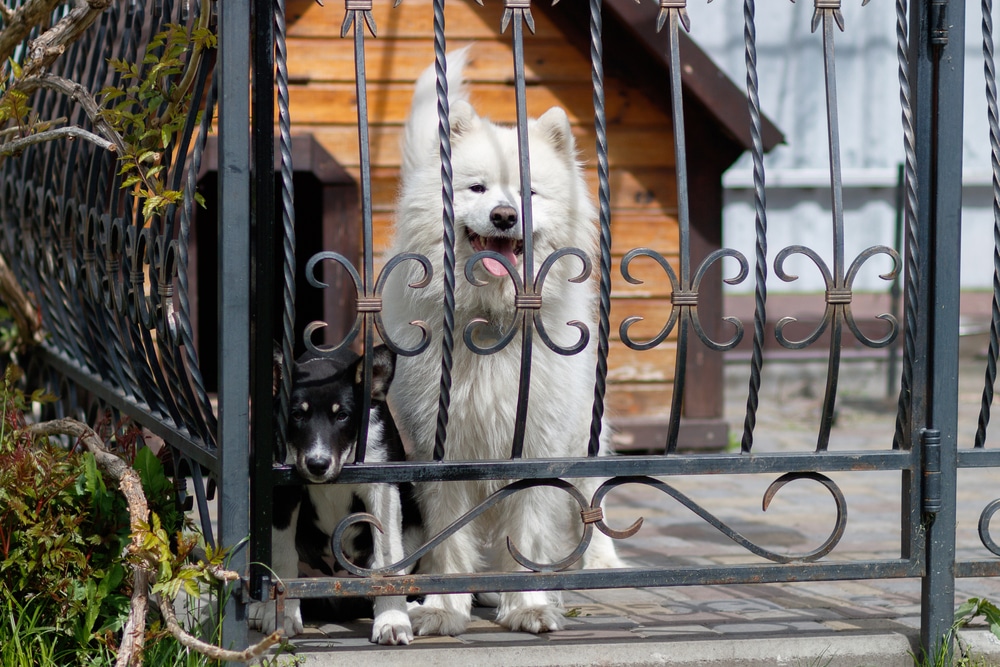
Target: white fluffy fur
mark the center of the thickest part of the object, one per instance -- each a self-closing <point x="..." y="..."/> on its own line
<point x="543" y="523"/>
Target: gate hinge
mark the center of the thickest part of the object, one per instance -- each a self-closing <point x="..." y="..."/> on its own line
<point x="930" y="444"/>
<point x="939" y="22"/>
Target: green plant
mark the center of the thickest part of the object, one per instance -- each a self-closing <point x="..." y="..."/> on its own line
<point x="964" y="614"/>
<point x="60" y="533"/>
<point x="64" y="589"/>
<point x="150" y="108"/>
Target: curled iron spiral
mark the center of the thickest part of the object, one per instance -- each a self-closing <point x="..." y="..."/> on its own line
<point x="592" y="515"/>
<point x="374" y="303"/>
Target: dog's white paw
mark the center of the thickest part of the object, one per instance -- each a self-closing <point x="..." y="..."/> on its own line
<point x="263" y="617"/>
<point x="533" y="619"/>
<point x="392" y="628"/>
<point x="437" y="621"/>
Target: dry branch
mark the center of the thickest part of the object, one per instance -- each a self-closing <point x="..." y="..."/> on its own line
<point x="53" y="42"/>
<point x="15" y="146"/>
<point x="19" y="24"/>
<point x="20" y="306"/>
<point x="211" y="650"/>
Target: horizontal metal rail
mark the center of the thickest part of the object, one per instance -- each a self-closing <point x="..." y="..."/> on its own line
<point x="593" y="579"/>
<point x="675" y="464"/>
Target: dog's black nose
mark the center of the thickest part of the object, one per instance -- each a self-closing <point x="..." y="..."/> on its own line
<point x="318" y="465"/>
<point x="503" y="217"/>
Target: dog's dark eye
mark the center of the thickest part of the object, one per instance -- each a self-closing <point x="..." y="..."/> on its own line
<point x="478" y="188"/>
<point x="342" y="416"/>
<point x="297" y="415"/>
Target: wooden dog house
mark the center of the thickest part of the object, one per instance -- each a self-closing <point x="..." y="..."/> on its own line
<point x="323" y="107"/>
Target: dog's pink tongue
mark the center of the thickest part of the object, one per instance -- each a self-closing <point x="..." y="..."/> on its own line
<point x="504" y="247"/>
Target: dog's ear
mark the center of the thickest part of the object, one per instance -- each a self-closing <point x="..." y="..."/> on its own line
<point x="463" y="118"/>
<point x="278" y="362"/>
<point x="554" y="127"/>
<point x="383" y="368"/>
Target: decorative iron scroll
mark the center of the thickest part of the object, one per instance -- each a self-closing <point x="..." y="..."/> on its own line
<point x="838" y="283"/>
<point x="684" y="298"/>
<point x="984" y="527"/>
<point x="591" y="515"/>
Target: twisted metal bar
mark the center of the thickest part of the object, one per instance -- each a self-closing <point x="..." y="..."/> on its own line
<point x="448" y="222"/>
<point x="604" y="208"/>
<point x="989" y="67"/>
<point x="287" y="222"/>
<point x="760" y="227"/>
<point x="912" y="251"/>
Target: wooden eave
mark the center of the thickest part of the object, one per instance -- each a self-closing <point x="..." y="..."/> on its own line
<point x="633" y="46"/>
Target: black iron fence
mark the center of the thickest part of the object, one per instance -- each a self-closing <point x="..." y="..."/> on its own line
<point x="115" y="298"/>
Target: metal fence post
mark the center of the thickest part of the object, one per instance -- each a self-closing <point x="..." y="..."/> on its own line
<point x="937" y="56"/>
<point x="234" y="302"/>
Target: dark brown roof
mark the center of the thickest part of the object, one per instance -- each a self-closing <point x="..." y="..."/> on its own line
<point x="632" y="46"/>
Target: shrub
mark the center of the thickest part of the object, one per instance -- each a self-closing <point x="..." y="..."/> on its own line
<point x="64" y="589"/>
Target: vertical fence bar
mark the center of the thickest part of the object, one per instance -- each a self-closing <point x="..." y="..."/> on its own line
<point x="760" y="226"/>
<point x="262" y="427"/>
<point x="604" y="203"/>
<point x="234" y="301"/>
<point x="676" y="14"/>
<point x="938" y="62"/>
<point x="520" y="12"/>
<point x="989" y="67"/>
<point x="448" y="231"/>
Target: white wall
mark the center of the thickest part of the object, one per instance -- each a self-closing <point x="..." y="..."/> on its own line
<point x="792" y="93"/>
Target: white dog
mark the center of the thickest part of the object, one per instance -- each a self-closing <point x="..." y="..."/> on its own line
<point x="543" y="523"/>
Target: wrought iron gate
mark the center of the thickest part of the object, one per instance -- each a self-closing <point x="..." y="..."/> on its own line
<point x="114" y="295"/>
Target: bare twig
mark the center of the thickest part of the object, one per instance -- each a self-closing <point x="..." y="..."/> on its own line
<point x="81" y="96"/>
<point x="53" y="42"/>
<point x="211" y="650"/>
<point x="19" y="24"/>
<point x="15" y="146"/>
<point x="29" y="326"/>
<point x="134" y="635"/>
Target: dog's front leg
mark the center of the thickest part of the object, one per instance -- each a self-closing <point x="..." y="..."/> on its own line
<point x="460" y="553"/>
<point x="392" y="623"/>
<point x="285" y="565"/>
<point x="531" y="522"/>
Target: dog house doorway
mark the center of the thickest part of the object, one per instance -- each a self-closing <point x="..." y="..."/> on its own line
<point x="326" y="218"/>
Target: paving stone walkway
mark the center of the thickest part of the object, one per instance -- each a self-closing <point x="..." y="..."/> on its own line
<point x="848" y="623"/>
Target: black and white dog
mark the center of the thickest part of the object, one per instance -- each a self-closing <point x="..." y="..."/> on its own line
<point x="325" y="417"/>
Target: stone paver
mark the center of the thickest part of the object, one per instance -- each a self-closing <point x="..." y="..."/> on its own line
<point x="835" y="623"/>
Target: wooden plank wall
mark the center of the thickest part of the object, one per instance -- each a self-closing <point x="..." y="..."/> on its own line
<point x="643" y="187"/>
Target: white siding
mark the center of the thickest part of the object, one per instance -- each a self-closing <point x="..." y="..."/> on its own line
<point x="792" y="94"/>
